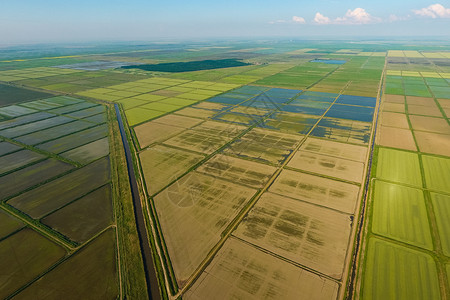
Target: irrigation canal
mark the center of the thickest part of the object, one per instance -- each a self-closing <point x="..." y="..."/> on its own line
<point x="150" y="272"/>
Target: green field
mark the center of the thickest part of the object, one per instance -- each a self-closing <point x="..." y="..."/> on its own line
<point x="398" y="166"/>
<point x="400" y="213"/>
<point x="396" y="272"/>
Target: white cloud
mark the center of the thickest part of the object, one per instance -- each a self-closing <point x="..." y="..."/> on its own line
<point x="356" y="16"/>
<point x="277" y="22"/>
<point x="434" y="11"/>
<point x="395" y="18"/>
<point x="321" y="19"/>
<point x="295" y="20"/>
<point x="298" y="20"/>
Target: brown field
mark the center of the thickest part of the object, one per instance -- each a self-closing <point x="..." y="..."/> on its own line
<point x="394" y="120"/>
<point x="396" y="138"/>
<point x="445" y="103"/>
<point x="161" y="165"/>
<point x="312" y="236"/>
<point x="240" y="271"/>
<point x="328" y="165"/>
<point x="180" y="121"/>
<point x="206" y="137"/>
<point x="265" y="145"/>
<point x="431" y="124"/>
<point x="431" y="110"/>
<point x="434" y="143"/>
<point x="151" y="132"/>
<point x="394" y="99"/>
<point x="196" y="112"/>
<point x="162" y="128"/>
<point x="341" y="150"/>
<point x="425" y="101"/>
<point x="210" y="105"/>
<point x="193" y="212"/>
<point x="239" y="171"/>
<point x="314" y="189"/>
<point x="393" y="107"/>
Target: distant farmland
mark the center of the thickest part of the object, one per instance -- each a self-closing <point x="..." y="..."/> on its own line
<point x="312" y="170"/>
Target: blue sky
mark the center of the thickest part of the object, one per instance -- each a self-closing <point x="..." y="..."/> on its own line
<point x="29" y="21"/>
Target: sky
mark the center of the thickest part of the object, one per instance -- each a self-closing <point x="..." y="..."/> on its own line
<point x="38" y="21"/>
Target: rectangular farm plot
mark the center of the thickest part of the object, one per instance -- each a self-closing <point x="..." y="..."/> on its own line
<point x="18" y="159"/>
<point x="265" y="146"/>
<point x="328" y="165"/>
<point x="54" y="194"/>
<point x="206" y="137"/>
<point x="237" y="170"/>
<point x="87" y="112"/>
<point x="441" y="207"/>
<point x="90" y="273"/>
<point x="317" y="190"/>
<point x="195" y="112"/>
<point x="24" y="256"/>
<point x="394" y="98"/>
<point x="138" y="115"/>
<point x="161" y="165"/>
<point x="399" y="166"/>
<point x="437" y="172"/>
<point x="430" y="124"/>
<point x="82" y="219"/>
<point x="340" y="130"/>
<point x="349" y="112"/>
<point x="35" y="126"/>
<point x="392" y="119"/>
<point x="393" y="107"/>
<point x="16" y="111"/>
<point x="396" y="272"/>
<point x="152" y="132"/>
<point x="6" y="148"/>
<point x="312" y="236"/>
<point x="9" y="224"/>
<point x="395" y="138"/>
<point x="89" y="152"/>
<point x="434" y="143"/>
<point x="399" y="213"/>
<point x="11" y="94"/>
<point x="240" y="271"/>
<point x="25" y="119"/>
<point x="197" y="141"/>
<point x="331" y="148"/>
<point x="54" y="132"/>
<point x="243" y="119"/>
<point x="27" y="177"/>
<point x="72" y="108"/>
<point x="193" y="212"/>
<point x="180" y="121"/>
<point x="293" y="123"/>
<point x="75" y="139"/>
